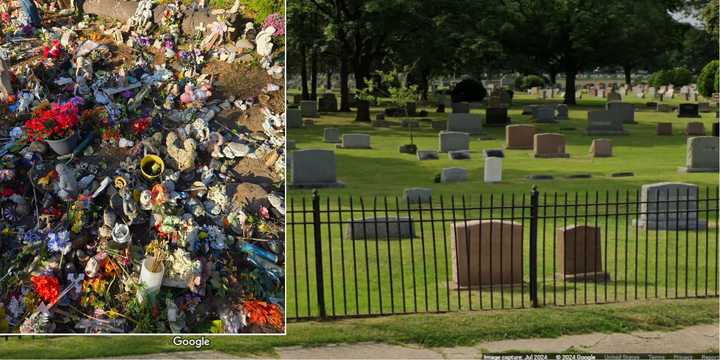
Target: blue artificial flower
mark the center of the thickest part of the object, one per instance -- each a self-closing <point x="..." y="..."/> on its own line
<point x="59" y="242"/>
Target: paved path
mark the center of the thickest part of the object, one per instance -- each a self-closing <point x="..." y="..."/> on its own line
<point x="694" y="339"/>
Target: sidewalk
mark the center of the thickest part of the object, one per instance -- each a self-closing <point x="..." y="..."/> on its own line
<point x="694" y="339"/>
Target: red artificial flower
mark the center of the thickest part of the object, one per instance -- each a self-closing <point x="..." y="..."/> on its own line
<point x="47" y="287"/>
<point x="55" y="123"/>
<point x="261" y="313"/>
<point x="54" y="50"/>
<point x="6" y="192"/>
<point x="140" y="125"/>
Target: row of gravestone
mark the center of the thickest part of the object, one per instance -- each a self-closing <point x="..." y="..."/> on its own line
<point x="476" y="243"/>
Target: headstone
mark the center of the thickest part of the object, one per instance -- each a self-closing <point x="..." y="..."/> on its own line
<point x="663" y="129"/>
<point x="6" y="88"/>
<point x="695" y="128"/>
<point x="469" y="123"/>
<point x="613" y="96"/>
<point x="380" y="228"/>
<point x="493" y="165"/>
<point x="704" y="107"/>
<point x="460" y="108"/>
<point x="293" y="118"/>
<point x="624" y="111"/>
<point x="519" y="136"/>
<point x="427" y="155"/>
<point x="328" y="103"/>
<point x="549" y="145"/>
<point x="314" y="168"/>
<point x="459" y="155"/>
<point x="601" y="148"/>
<point x="670" y="206"/>
<point x="453" y="140"/>
<point x="439" y="124"/>
<point x="453" y="175"/>
<point x="487" y="252"/>
<point x="528" y="109"/>
<point x="579" y="253"/>
<point x="604" y="122"/>
<point x="544" y="114"/>
<point x="331" y="135"/>
<point x="417" y="195"/>
<point x="496" y="117"/>
<point x="688" y="110"/>
<point x="716" y="129"/>
<point x="562" y="111"/>
<point x="308" y="108"/>
<point x="355" y="141"/>
<point x="702" y="154"/>
<point x="664" y="107"/>
<point x="652" y="92"/>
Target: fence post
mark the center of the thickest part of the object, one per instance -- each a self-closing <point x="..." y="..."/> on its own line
<point x="534" y="204"/>
<point x="318" y="254"/>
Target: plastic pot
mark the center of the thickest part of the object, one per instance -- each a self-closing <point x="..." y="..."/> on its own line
<point x="151" y="166"/>
<point x="64" y="146"/>
<point x="152" y="281"/>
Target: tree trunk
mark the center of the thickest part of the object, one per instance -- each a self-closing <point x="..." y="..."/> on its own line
<point x="423" y="86"/>
<point x="570" y="87"/>
<point x="313" y="74"/>
<point x="363" y="111"/>
<point x="328" y="79"/>
<point x="303" y="72"/>
<point x="553" y="77"/>
<point x="344" y="88"/>
<point x="628" y="75"/>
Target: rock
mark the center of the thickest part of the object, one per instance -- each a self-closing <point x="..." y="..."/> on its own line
<point x="250" y="195"/>
<point x="235" y="150"/>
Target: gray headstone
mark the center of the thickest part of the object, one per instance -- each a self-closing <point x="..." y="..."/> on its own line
<point x="702" y="154"/>
<point x="459" y="155"/>
<point x="427" y="155"/>
<point x="544" y="114"/>
<point x="670" y="206"/>
<point x="328" y="103"/>
<point x="562" y="111"/>
<point x="453" y="140"/>
<point x="604" y="122"/>
<point x="355" y="141"/>
<point x="468" y="123"/>
<point x="380" y="228"/>
<point x="417" y="195"/>
<point x="313" y="168"/>
<point x="308" y="108"/>
<point x="453" y="175"/>
<point x="461" y="108"/>
<point x="294" y="118"/>
<point x="625" y="111"/>
<point x="331" y="135"/>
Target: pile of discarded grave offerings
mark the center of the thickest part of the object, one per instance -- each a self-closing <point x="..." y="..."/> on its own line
<point x="140" y="193"/>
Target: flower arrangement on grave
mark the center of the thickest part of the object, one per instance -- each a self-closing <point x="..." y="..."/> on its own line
<point x="56" y="123"/>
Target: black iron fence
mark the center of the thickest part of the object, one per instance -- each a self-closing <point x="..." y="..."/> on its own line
<point x="351" y="257"/>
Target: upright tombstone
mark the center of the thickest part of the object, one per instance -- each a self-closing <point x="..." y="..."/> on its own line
<point x="453" y="140"/>
<point x="380" y="228"/>
<point x="331" y="135"/>
<point x="427" y="155"/>
<point x="469" y="123"/>
<point x="308" y="108"/>
<point x="454" y="174"/>
<point x="663" y="129"/>
<point x="519" y="136"/>
<point x="355" y="141"/>
<point x="496" y="117"/>
<point x="493" y="165"/>
<point x="293" y="117"/>
<point x="604" y="122"/>
<point x="664" y="107"/>
<point x="670" y="206"/>
<point x="562" y="111"/>
<point x="417" y="195"/>
<point x="613" y="96"/>
<point x="579" y="253"/>
<point x="695" y="128"/>
<point x="601" y="148"/>
<point x="328" y="103"/>
<point x="460" y="108"/>
<point x="549" y="145"/>
<point x="704" y="107"/>
<point x="487" y="252"/>
<point x="688" y="110"/>
<point x="314" y="168"/>
<point x="716" y="129"/>
<point x="528" y="109"/>
<point x="624" y="111"/>
<point x="702" y="154"/>
<point x="544" y="114"/>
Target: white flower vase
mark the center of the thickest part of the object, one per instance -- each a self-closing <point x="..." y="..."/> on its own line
<point x="121" y="235"/>
<point x="152" y="281"/>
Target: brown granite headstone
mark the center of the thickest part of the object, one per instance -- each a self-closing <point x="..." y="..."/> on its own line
<point x="601" y="148"/>
<point x="663" y="129"/>
<point x="579" y="253"/>
<point x="519" y="136"/>
<point x="549" y="145"/>
<point x="695" y="128"/>
<point x="487" y="252"/>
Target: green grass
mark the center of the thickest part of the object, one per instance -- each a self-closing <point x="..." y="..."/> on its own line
<point x="437" y="330"/>
<point x="414" y="275"/>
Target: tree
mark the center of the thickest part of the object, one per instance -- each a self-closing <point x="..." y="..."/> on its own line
<point x="707" y="81"/>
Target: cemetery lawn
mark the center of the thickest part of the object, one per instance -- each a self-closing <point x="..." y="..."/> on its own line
<point x="392" y="277"/>
<point x="432" y="330"/>
<point x="383" y="171"/>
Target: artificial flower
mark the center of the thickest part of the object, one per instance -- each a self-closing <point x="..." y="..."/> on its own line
<point x="47" y="287"/>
